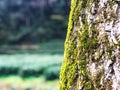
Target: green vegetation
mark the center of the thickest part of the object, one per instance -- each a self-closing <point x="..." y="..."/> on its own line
<point x="78" y="43"/>
<point x="31" y="42"/>
<point x="32" y="83"/>
<point x="31" y="67"/>
<point x="49" y="47"/>
<point x="52" y="72"/>
<point x="21" y="22"/>
<point x="27" y="65"/>
<point x="69" y="68"/>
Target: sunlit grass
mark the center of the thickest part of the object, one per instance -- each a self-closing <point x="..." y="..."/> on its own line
<point x="15" y="82"/>
<point x="33" y="83"/>
<point x="45" y="57"/>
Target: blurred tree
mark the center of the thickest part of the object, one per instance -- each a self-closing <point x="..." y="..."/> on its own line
<point x="21" y="20"/>
<point x="92" y="47"/>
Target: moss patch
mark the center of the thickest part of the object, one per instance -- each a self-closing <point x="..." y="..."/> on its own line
<point x="75" y="61"/>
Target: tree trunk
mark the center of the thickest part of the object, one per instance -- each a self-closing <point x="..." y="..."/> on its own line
<point x="92" y="47"/>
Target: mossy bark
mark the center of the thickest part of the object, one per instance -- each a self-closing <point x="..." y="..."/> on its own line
<point x="92" y="46"/>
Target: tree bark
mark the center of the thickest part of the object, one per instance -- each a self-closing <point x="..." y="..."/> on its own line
<point x="92" y="46"/>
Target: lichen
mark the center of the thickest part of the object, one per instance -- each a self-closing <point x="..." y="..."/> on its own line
<point x="70" y="70"/>
<point x="88" y="47"/>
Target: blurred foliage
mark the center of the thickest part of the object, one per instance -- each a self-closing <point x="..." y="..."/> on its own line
<point x="32" y="21"/>
<point x="31" y="65"/>
<point x="52" y="72"/>
<point x="49" y="47"/>
<point x="33" y="83"/>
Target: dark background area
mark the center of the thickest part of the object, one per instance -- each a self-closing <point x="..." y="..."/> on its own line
<point x="32" y="21"/>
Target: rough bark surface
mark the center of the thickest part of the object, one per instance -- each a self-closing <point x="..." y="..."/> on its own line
<point x="92" y="47"/>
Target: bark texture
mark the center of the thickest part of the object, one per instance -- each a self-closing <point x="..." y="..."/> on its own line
<point x="92" y="47"/>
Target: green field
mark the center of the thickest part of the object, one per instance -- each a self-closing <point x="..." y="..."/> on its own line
<point x="17" y="83"/>
<point x="31" y="67"/>
<point x="49" y="47"/>
<point x="30" y="71"/>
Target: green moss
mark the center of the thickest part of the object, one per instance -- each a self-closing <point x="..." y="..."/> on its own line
<point x="69" y="67"/>
<point x="70" y="24"/>
<point x="80" y="45"/>
<point x="118" y="43"/>
<point x="87" y="45"/>
<point x="96" y="80"/>
<point x="75" y="60"/>
<point x="111" y="4"/>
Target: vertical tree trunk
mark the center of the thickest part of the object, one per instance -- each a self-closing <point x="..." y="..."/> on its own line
<point x="92" y="47"/>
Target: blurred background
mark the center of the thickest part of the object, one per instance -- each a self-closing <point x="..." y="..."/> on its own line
<point x="32" y="34"/>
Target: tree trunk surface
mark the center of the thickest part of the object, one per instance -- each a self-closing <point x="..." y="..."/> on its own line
<point x="92" y="46"/>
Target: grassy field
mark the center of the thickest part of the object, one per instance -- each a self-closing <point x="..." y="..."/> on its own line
<point x="31" y="67"/>
<point x="51" y="47"/>
<point x="17" y="83"/>
<point x="26" y="64"/>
